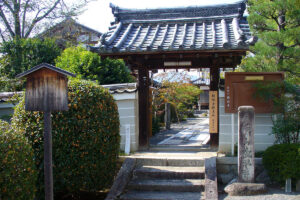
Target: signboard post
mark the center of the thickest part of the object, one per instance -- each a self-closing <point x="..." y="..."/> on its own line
<point x="46" y="90"/>
<point x="127" y="139"/>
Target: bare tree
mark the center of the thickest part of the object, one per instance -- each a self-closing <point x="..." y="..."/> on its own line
<point x="23" y="18"/>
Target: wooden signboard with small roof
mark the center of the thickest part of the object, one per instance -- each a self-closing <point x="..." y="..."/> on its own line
<point x="46" y="90"/>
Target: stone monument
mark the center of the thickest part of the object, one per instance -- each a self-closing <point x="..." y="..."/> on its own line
<point x="246" y="161"/>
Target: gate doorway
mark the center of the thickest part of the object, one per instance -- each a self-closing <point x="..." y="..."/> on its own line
<point x="179" y="123"/>
<point x="211" y="37"/>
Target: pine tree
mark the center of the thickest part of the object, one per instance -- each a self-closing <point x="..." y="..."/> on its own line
<point x="277" y="25"/>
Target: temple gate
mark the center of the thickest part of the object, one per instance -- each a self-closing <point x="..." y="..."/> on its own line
<point x="211" y="37"/>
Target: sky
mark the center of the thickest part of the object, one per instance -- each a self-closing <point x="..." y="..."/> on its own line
<point x="98" y="14"/>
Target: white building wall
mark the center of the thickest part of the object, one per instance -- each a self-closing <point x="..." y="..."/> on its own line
<point x="6" y="109"/>
<point x="128" y="113"/>
<point x="262" y="130"/>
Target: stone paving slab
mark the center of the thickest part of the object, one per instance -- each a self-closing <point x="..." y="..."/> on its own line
<point x="273" y="194"/>
<point x="145" y="195"/>
<point x="193" y="132"/>
<point x="173" y="155"/>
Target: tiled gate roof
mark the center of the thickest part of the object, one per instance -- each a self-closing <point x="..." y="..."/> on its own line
<point x="218" y="27"/>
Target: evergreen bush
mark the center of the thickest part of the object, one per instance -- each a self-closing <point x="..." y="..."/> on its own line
<point x="85" y="139"/>
<point x="88" y="65"/>
<point x="17" y="168"/>
<point x="282" y="161"/>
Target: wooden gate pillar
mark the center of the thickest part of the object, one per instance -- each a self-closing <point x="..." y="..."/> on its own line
<point x="214" y="86"/>
<point x="143" y="88"/>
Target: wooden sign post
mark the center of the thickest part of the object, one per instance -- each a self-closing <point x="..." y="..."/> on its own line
<point x="46" y="90"/>
<point x="213" y="112"/>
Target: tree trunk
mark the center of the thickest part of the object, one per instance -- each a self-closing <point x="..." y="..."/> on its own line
<point x="17" y="19"/>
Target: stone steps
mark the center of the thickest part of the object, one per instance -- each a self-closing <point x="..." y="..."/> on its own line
<point x="166" y="179"/>
<point x="170" y="160"/>
<point x="169" y="172"/>
<point x="174" y="185"/>
<point x="178" y="148"/>
<point x="159" y="195"/>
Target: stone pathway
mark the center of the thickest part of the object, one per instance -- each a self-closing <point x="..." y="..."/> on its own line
<point x="193" y="132"/>
<point x="273" y="194"/>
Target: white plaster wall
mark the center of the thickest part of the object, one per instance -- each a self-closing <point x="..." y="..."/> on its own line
<point x="128" y="113"/>
<point x="262" y="131"/>
<point x="6" y="108"/>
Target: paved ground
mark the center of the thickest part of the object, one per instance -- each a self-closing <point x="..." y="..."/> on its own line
<point x="273" y="194"/>
<point x="193" y="132"/>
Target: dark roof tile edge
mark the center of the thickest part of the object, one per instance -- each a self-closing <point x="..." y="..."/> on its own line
<point x="47" y="66"/>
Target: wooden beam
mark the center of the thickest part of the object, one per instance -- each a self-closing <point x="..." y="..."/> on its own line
<point x="143" y="98"/>
<point x="214" y="86"/>
<point x="202" y="62"/>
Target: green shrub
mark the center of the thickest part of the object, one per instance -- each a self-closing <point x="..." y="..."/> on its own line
<point x="85" y="139"/>
<point x="17" y="169"/>
<point x="155" y="125"/>
<point x="282" y="161"/>
<point x="88" y="65"/>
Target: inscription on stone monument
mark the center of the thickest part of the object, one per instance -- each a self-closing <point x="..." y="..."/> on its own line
<point x="246" y="164"/>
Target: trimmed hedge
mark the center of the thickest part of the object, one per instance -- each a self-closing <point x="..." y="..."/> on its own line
<point x="282" y="161"/>
<point x="85" y="139"/>
<point x="17" y="168"/>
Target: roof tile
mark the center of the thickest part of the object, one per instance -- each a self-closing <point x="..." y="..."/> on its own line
<point x="193" y="28"/>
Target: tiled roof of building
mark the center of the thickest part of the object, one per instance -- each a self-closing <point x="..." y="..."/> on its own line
<point x="63" y="23"/>
<point x="121" y="88"/>
<point x="6" y="96"/>
<point x="217" y="27"/>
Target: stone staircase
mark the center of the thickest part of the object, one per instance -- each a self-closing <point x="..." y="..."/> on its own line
<point x="166" y="176"/>
<point x="166" y="179"/>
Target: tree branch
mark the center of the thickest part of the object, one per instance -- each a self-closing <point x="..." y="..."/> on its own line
<point x="297" y="43"/>
<point x="24" y="17"/>
<point x="6" y="23"/>
<point x="8" y="6"/>
<point x="17" y="18"/>
<point x="37" y="19"/>
<point x="262" y="28"/>
<point x="2" y="36"/>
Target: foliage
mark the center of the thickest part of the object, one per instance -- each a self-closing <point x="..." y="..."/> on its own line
<point x="286" y="101"/>
<point x="85" y="139"/>
<point x="88" y="65"/>
<point x="17" y="170"/>
<point x="282" y="161"/>
<point x="155" y="125"/>
<point x="181" y="95"/>
<point x="31" y="53"/>
<point x="9" y="85"/>
<point x="276" y="23"/>
<point x="21" y="18"/>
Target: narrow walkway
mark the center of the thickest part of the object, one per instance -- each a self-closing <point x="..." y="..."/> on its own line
<point x="193" y="132"/>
